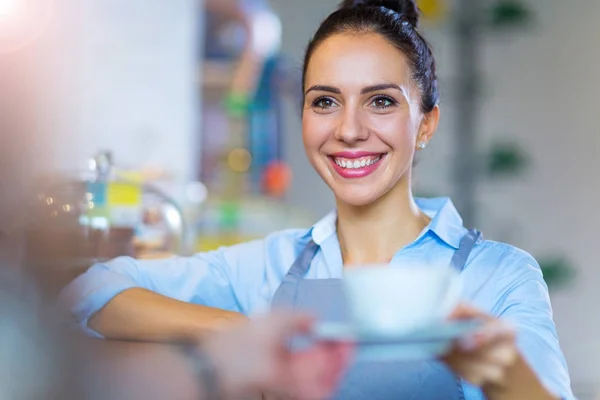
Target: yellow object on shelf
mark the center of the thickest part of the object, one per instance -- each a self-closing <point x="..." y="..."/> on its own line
<point x="124" y="194"/>
<point x="209" y="243"/>
<point x="434" y="10"/>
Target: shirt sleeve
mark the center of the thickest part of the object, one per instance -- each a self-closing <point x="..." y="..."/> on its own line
<point x="210" y="279"/>
<point x="525" y="303"/>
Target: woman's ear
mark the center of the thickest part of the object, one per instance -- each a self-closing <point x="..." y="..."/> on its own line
<point x="428" y="126"/>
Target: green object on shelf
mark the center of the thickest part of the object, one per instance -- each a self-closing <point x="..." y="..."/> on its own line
<point x="557" y="271"/>
<point x="237" y="105"/>
<point x="510" y="13"/>
<point x="229" y="214"/>
<point x="506" y="159"/>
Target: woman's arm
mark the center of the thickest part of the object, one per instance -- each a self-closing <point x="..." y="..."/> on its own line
<point x="164" y="300"/>
<point x="518" y="353"/>
<point x="491" y="360"/>
<point x="526" y="305"/>
<point x="139" y="314"/>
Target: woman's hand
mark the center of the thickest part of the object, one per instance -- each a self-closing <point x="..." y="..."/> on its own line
<point x="491" y="360"/>
<point x="254" y="357"/>
<point x="484" y="357"/>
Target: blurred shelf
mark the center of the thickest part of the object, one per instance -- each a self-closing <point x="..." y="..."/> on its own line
<point x="251" y="218"/>
<point x="214" y="74"/>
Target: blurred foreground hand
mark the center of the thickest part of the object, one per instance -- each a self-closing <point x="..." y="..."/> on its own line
<point x="255" y="357"/>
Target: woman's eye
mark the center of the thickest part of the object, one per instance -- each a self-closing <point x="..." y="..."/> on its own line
<point x="324" y="103"/>
<point x="383" y="102"/>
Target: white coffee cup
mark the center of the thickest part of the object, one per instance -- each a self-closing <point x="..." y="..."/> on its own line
<point x="390" y="300"/>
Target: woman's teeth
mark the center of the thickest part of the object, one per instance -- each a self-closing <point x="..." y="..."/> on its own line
<point x="357" y="163"/>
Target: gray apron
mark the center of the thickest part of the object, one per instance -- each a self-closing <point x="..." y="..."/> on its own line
<point x="366" y="380"/>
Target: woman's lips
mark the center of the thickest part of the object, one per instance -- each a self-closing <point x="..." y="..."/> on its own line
<point x="352" y="165"/>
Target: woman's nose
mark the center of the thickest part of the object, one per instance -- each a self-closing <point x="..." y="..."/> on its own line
<point x="351" y="129"/>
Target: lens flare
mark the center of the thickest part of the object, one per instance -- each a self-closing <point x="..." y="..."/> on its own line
<point x="22" y="22"/>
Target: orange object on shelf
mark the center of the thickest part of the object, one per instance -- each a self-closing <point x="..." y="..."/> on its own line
<point x="277" y="179"/>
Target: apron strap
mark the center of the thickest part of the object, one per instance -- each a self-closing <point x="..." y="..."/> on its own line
<point x="287" y="293"/>
<point x="302" y="264"/>
<point x="459" y="259"/>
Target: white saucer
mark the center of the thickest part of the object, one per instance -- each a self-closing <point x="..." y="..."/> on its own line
<point x="427" y="343"/>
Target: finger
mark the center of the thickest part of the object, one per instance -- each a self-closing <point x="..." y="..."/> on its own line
<point x="301" y="324"/>
<point x="319" y="369"/>
<point x="329" y="344"/>
<point x="329" y="362"/>
<point x="499" y="354"/>
<point x="480" y="374"/>
<point x="346" y="350"/>
<point x="483" y="348"/>
<point x="340" y="355"/>
<point x="502" y="355"/>
<point x="479" y="368"/>
<point x="486" y="366"/>
<point x="492" y="333"/>
<point x="288" y="324"/>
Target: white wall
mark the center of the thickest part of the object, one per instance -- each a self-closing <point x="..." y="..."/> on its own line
<point x="543" y="86"/>
<point x="133" y="83"/>
<point x="545" y="93"/>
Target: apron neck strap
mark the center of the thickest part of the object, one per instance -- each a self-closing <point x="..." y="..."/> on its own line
<point x="459" y="259"/>
<point x="302" y="263"/>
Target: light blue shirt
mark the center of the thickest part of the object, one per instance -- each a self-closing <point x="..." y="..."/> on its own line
<point x="498" y="278"/>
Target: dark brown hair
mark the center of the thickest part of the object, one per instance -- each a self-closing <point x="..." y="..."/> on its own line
<point x="397" y="22"/>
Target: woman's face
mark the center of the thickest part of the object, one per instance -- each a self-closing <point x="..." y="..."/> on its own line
<point x="362" y="118"/>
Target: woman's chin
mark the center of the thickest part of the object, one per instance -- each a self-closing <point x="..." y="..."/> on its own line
<point x="356" y="198"/>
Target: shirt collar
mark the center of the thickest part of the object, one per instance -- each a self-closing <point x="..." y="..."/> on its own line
<point x="323" y="229"/>
<point x="445" y="223"/>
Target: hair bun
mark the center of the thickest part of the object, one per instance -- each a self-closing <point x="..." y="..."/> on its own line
<point x="407" y="8"/>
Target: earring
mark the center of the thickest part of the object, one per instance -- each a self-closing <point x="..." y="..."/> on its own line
<point x="421" y="145"/>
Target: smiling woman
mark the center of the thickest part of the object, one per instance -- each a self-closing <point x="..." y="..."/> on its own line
<point x="370" y="104"/>
<point x="368" y="112"/>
